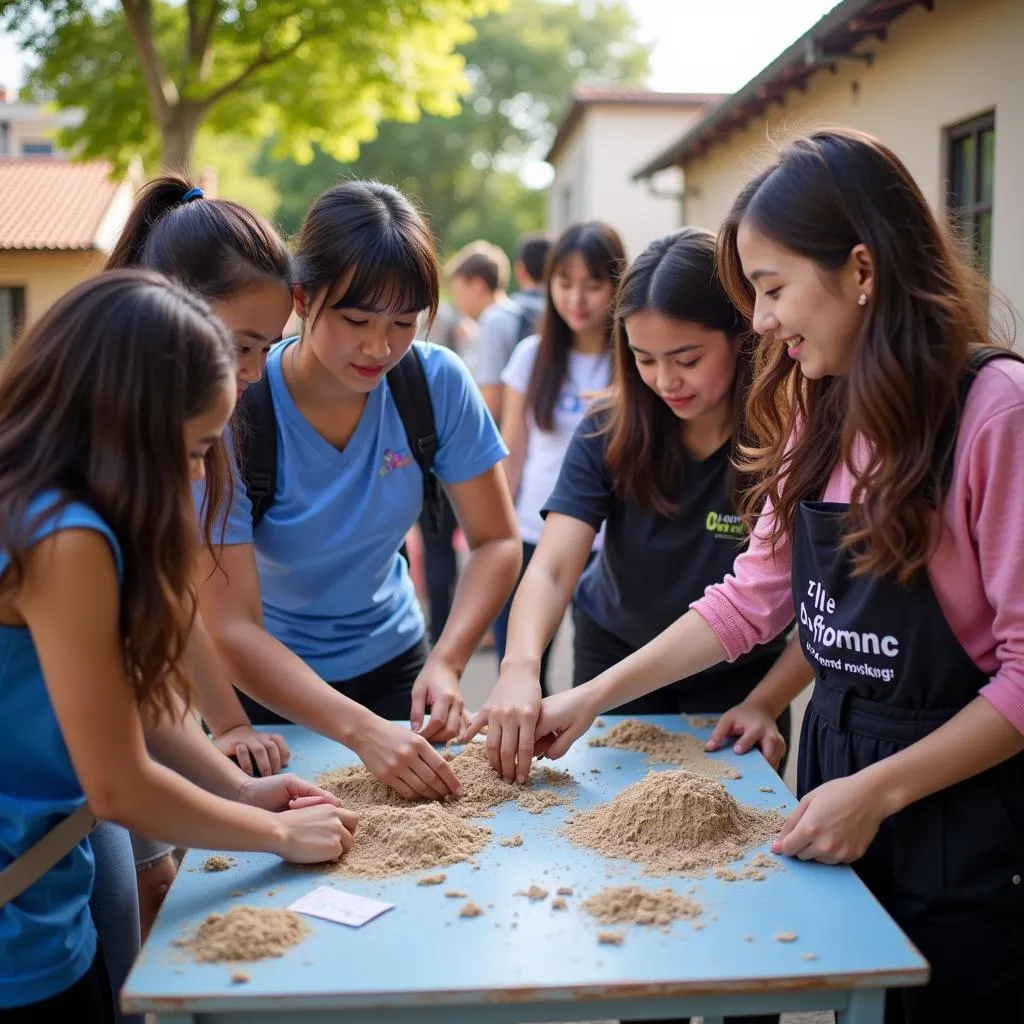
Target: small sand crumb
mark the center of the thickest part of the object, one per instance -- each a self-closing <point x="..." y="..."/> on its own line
<point x="559" y="904"/>
<point x="674" y="822"/>
<point x="754" y="871"/>
<point x="470" y="909"/>
<point x="703" y="721"/>
<point x="245" y="933"/>
<point x="455" y="894"/>
<point x="535" y="892"/>
<point x="600" y="723"/>
<point x="565" y="890"/>
<point x="785" y="937"/>
<point x="611" y="938"/>
<point x="516" y="840"/>
<point x="240" y="978"/>
<point x="765" y="789"/>
<point x="748" y="938"/>
<point x="808" y="956"/>
<point x="663" y="747"/>
<point x="595" y="771"/>
<point x="238" y="892"/>
<point x="432" y="880"/>
<point x="218" y="863"/>
<point x="629" y="904"/>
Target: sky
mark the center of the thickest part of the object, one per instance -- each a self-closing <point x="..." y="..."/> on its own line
<point x="700" y="45"/>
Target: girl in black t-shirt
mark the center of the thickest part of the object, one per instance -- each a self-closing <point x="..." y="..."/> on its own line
<point x="652" y="464"/>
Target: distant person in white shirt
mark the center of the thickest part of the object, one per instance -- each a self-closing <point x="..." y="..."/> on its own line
<point x="477" y="277"/>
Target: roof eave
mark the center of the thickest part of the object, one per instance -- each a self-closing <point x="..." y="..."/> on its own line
<point x="794" y="59"/>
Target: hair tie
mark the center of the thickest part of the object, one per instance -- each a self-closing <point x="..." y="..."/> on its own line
<point x="192" y="193"/>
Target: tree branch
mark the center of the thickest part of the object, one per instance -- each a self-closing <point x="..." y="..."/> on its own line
<point x="200" y="31"/>
<point x="161" y="90"/>
<point x="262" y="61"/>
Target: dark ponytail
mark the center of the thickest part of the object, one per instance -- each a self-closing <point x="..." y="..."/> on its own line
<point x="215" y="247"/>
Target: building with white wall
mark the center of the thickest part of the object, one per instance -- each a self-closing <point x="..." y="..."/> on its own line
<point x="599" y="144"/>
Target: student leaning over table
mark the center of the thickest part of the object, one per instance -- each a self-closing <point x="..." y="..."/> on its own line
<point x="98" y="442"/>
<point x="312" y="607"/>
<point x="893" y="527"/>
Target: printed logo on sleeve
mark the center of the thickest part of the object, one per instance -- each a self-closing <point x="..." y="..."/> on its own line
<point x="727" y="525"/>
<point x="394" y="460"/>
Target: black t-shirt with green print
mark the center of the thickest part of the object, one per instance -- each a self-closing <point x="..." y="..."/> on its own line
<point x="652" y="567"/>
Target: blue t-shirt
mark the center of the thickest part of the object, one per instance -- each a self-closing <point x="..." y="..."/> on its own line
<point x="47" y="938"/>
<point x="335" y="590"/>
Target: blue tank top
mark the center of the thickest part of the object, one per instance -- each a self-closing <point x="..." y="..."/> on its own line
<point x="47" y="938"/>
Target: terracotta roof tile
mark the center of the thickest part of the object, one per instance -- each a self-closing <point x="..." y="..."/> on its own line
<point x="51" y="204"/>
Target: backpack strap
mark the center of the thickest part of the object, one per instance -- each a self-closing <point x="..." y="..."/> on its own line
<point x="946" y="444"/>
<point x="256" y="446"/>
<point x="25" y="870"/>
<point x="407" y="381"/>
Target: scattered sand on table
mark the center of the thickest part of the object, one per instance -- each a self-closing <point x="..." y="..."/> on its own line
<point x="534" y="893"/>
<point x="245" y="934"/>
<point x="808" y="956"/>
<point x="240" y="978"/>
<point x="432" y="880"/>
<point x="664" y="747"/>
<point x="611" y="938"/>
<point x="703" y="721"/>
<point x="471" y="910"/>
<point x="218" y="863"/>
<point x="629" y="904"/>
<point x="785" y="937"/>
<point x="565" y="890"/>
<point x="455" y="894"/>
<point x="753" y="871"/>
<point x="516" y="840"/>
<point x="674" y="822"/>
<point x="599" y="723"/>
<point x="559" y="904"/>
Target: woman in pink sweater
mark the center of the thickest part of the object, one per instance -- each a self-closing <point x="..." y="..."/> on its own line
<point x="887" y="441"/>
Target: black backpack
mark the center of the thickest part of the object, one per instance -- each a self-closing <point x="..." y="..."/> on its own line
<point x="256" y="437"/>
<point x="529" y="315"/>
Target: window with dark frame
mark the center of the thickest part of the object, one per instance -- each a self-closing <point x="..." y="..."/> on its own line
<point x="970" y="173"/>
<point x="12" y="315"/>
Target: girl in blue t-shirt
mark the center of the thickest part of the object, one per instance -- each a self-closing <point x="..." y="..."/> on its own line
<point x="317" y="590"/>
<point x="552" y="375"/>
<point x="108" y="406"/>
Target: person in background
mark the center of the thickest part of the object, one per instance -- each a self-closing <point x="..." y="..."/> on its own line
<point x="507" y="320"/>
<point x="552" y="376"/>
<point x="885" y="439"/>
<point x="98" y="443"/>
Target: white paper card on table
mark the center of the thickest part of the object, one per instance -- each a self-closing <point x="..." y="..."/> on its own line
<point x="341" y="907"/>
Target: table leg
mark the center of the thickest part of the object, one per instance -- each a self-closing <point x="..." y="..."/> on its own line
<point x="866" y="1006"/>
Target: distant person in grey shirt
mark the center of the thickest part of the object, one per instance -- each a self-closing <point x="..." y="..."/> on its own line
<point x="478" y="276"/>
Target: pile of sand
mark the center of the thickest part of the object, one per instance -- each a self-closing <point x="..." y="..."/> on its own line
<point x="218" y="863"/>
<point x="629" y="904"/>
<point x="245" y="933"/>
<point x="397" y="840"/>
<point x="396" y="836"/>
<point x="484" y="789"/>
<point x="664" y="747"/>
<point x="674" y="822"/>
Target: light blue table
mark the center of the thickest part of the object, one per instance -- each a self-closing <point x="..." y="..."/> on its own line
<point x="422" y="963"/>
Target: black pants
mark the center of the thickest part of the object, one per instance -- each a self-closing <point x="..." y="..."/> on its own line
<point x="88" y="1001"/>
<point x="595" y="650"/>
<point x="440" y="566"/>
<point x="385" y="690"/>
<point x="501" y="624"/>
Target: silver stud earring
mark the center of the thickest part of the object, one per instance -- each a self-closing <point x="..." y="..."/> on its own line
<point x="863" y="300"/>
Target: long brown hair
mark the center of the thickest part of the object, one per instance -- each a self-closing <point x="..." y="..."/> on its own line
<point x="674" y="276"/>
<point x="824" y="195"/>
<point x="93" y="402"/>
<point x="217" y="248"/>
<point x="602" y="251"/>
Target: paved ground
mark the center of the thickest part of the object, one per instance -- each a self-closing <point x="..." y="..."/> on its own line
<point x="482" y="674"/>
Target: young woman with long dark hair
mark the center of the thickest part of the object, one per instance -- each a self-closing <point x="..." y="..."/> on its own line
<point x="886" y="446"/>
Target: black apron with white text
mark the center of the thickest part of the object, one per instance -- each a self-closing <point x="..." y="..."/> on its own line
<point x="949" y="868"/>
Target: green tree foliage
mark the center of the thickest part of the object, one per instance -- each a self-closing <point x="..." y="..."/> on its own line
<point x="150" y="73"/>
<point x="464" y="170"/>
